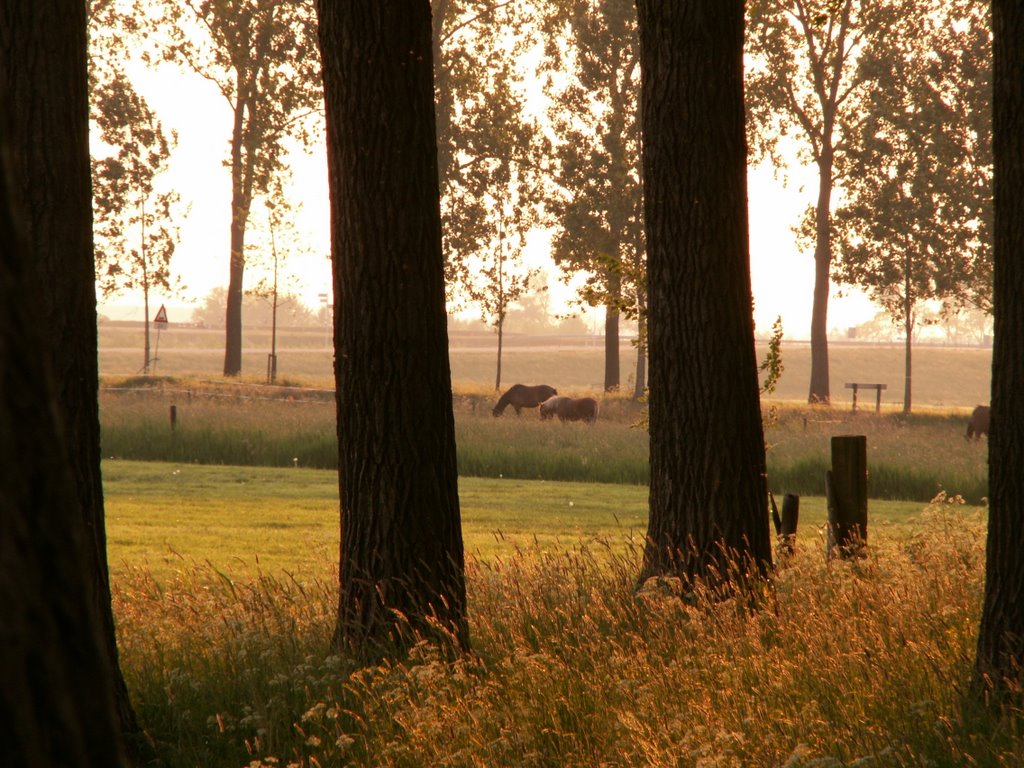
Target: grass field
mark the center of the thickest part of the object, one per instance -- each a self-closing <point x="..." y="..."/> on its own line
<point x="245" y="520"/>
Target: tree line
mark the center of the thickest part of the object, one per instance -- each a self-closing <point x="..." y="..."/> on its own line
<point x="401" y="564"/>
<point x="888" y="102"/>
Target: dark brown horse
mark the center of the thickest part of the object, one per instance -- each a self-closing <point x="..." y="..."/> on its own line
<point x="570" y="409"/>
<point x="978" y="425"/>
<point x="522" y="396"/>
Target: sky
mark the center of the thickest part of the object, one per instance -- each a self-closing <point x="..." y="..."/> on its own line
<point x="782" y="277"/>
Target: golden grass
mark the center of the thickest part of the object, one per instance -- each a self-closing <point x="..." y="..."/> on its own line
<point x="844" y="663"/>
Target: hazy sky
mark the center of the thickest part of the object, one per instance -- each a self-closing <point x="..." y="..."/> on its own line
<point x="782" y="277"/>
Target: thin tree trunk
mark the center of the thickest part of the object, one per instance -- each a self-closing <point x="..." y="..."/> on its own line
<point x="820" y="388"/>
<point x="908" y="315"/>
<point x="641" y="360"/>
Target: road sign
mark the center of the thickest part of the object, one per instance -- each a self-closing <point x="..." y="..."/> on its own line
<point x="161" y="316"/>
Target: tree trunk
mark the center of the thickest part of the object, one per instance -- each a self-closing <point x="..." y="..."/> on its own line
<point x="708" y="495"/>
<point x="241" y="199"/>
<point x="58" y="658"/>
<point x="501" y="334"/>
<point x="1001" y="636"/>
<point x="908" y="314"/>
<point x="820" y="390"/>
<point x="402" y="570"/>
<point x="611" y="347"/>
<point x="641" y="359"/>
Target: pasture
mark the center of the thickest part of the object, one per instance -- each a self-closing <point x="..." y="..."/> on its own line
<point x="223" y="546"/>
<point x="911" y="457"/>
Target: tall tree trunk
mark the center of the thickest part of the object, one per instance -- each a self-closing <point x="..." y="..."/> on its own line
<point x="708" y="495"/>
<point x="1001" y="636"/>
<point x="820" y="390"/>
<point x="402" y="569"/>
<point x="240" y="202"/>
<point x="63" y="624"/>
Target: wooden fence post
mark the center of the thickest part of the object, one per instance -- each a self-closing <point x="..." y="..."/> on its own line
<point x="846" y="489"/>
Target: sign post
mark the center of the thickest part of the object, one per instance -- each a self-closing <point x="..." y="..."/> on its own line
<point x="160" y="322"/>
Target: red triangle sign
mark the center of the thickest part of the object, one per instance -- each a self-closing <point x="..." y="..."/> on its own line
<point x="161" y="316"/>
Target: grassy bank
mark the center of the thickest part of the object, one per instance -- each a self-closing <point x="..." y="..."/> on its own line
<point x="909" y="457"/>
<point x="862" y="663"/>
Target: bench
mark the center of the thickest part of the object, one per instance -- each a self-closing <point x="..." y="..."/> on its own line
<point x="878" y="393"/>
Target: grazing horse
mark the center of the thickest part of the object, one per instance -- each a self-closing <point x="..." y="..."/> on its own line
<point x="978" y="425"/>
<point x="570" y="409"/>
<point x="522" y="396"/>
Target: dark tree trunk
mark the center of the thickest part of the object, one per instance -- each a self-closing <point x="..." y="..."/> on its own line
<point x="1001" y="637"/>
<point x="708" y="492"/>
<point x="820" y="389"/>
<point x="57" y="700"/>
<point x="401" y="544"/>
<point x="611" y="348"/>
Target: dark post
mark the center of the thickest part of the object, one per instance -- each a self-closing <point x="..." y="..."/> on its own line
<point x="174" y="416"/>
<point x="846" y="488"/>
<point x="785" y="526"/>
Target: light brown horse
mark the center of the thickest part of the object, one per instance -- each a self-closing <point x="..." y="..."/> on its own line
<point x="523" y="396"/>
<point x="979" y="423"/>
<point x="570" y="409"/>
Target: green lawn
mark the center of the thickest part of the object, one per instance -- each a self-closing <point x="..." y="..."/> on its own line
<point x="241" y="520"/>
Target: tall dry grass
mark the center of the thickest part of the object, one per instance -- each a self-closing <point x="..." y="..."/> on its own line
<point x="845" y="663"/>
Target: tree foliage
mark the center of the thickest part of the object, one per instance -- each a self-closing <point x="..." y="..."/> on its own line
<point x="915" y="224"/>
<point x="592" y="61"/>
<point x="261" y="55"/>
<point x="803" y="88"/>
<point x="133" y="221"/>
<point x="489" y="150"/>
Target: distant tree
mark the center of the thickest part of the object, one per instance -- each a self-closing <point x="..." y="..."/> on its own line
<point x="598" y="208"/>
<point x="1000" y="655"/>
<point x="134" y="223"/>
<point x="257" y="310"/>
<point x="914" y="225"/>
<point x="708" y="493"/>
<point x="804" y="85"/>
<point x="63" y="701"/>
<point x="402" y="567"/>
<point x="502" y="281"/>
<point x="489" y="152"/>
<point x="273" y="287"/>
<point x="262" y="57"/>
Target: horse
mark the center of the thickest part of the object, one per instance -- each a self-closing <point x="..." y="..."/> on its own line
<point x="570" y="409"/>
<point x="523" y="396"/>
<point x="978" y="425"/>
